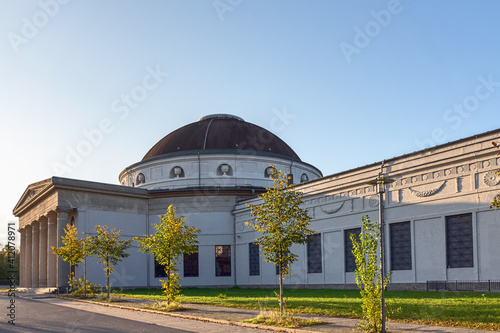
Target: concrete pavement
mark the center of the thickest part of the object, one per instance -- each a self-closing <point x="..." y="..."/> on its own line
<point x="132" y="309"/>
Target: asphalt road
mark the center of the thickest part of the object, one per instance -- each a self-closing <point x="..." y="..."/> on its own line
<point x="54" y="316"/>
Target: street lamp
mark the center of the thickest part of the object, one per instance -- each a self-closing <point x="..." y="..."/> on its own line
<point x="380" y="183"/>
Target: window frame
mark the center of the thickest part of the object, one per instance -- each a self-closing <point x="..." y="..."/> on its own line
<point x="223" y="260"/>
<point x="314" y="265"/>
<point x="456" y="250"/>
<point x="192" y="263"/>
<point x="349" y="259"/>
<point x="159" y="269"/>
<point x="253" y="262"/>
<point x="401" y="255"/>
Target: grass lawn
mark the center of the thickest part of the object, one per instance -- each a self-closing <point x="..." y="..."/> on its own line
<point x="466" y="309"/>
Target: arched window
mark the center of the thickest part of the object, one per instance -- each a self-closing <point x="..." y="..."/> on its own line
<point x="224" y="170"/>
<point x="140" y="179"/>
<point x="177" y="172"/>
<point x="270" y="171"/>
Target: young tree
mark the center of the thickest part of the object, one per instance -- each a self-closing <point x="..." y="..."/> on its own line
<point x="171" y="239"/>
<point x="9" y="264"/>
<point x="368" y="274"/>
<point x="73" y="249"/>
<point x="108" y="247"/>
<point x="283" y="223"/>
<point x="496" y="201"/>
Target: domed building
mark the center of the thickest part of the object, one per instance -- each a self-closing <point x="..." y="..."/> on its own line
<point x="203" y="169"/>
<point x="218" y="150"/>
<point x="437" y="218"/>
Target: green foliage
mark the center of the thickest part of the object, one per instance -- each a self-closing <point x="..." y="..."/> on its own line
<point x="9" y="264"/>
<point x="368" y="275"/>
<point x="496" y="201"/>
<point x="108" y="247"/>
<point x="171" y="239"/>
<point x="282" y="222"/>
<point x="74" y="249"/>
<point x="78" y="287"/>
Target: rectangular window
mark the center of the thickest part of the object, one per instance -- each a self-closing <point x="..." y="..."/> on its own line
<point x="400" y="236"/>
<point x="253" y="255"/>
<point x="159" y="270"/>
<point x="459" y="245"/>
<point x="191" y="264"/>
<point x="314" y="264"/>
<point x="223" y="260"/>
<point x="350" y="262"/>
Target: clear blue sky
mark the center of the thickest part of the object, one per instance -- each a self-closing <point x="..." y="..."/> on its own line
<point x="344" y="83"/>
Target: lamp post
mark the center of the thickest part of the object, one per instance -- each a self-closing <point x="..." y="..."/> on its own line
<point x="380" y="182"/>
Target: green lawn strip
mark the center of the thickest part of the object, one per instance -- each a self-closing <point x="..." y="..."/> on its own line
<point x="471" y="310"/>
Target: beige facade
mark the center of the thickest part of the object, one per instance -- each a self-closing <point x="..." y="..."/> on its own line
<point x="431" y="189"/>
<point x="44" y="211"/>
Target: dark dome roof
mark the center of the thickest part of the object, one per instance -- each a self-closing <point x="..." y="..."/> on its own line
<point x="221" y="133"/>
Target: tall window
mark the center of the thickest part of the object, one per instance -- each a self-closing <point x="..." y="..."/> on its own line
<point x="459" y="245"/>
<point x="314" y="264"/>
<point x="253" y="255"/>
<point x="159" y="270"/>
<point x="350" y="261"/>
<point x="400" y="236"/>
<point x="191" y="264"/>
<point x="223" y="260"/>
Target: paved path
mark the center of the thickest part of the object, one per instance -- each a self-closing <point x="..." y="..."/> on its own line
<point x="194" y="320"/>
<point x="33" y="316"/>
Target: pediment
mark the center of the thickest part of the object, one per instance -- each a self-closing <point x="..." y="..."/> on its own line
<point x="32" y="192"/>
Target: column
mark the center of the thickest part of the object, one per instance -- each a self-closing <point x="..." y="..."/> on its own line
<point x="28" y="256"/>
<point x="22" y="259"/>
<point x="62" y="266"/>
<point x="35" y="236"/>
<point x="51" y="257"/>
<point x="43" y="253"/>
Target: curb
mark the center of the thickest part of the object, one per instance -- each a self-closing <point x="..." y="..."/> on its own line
<point x="209" y="320"/>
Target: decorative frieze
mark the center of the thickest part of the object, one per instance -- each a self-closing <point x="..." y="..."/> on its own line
<point x="427" y="193"/>
<point x="334" y="209"/>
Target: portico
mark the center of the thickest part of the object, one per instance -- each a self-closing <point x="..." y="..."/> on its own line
<point x="40" y="267"/>
<point x="46" y="208"/>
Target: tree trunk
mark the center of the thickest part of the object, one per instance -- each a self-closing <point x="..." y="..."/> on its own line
<point x="107" y="276"/>
<point x="168" y="283"/>
<point x="281" y="291"/>
<point x="85" y="278"/>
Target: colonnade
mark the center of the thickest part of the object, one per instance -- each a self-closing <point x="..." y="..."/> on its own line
<point x="39" y="266"/>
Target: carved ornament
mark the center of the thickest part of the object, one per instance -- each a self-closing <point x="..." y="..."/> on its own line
<point x="491" y="178"/>
<point x="427" y="193"/>
<point x="333" y="210"/>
